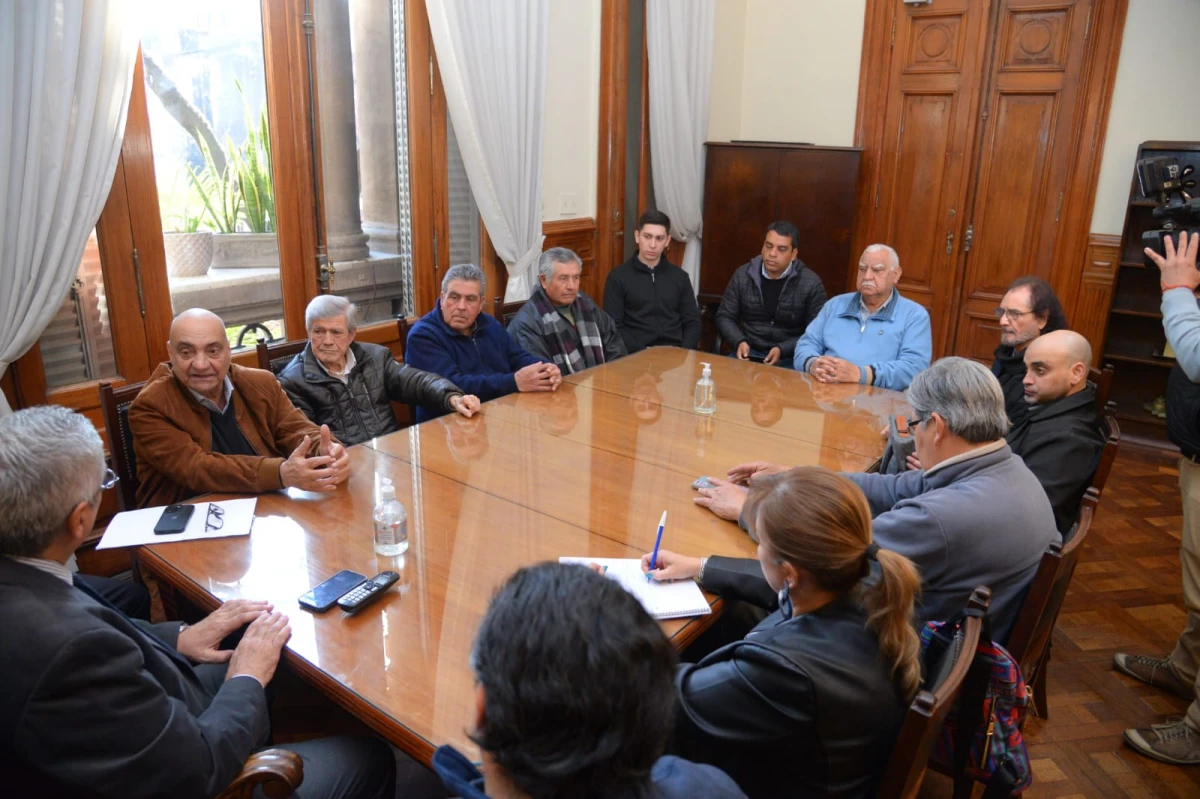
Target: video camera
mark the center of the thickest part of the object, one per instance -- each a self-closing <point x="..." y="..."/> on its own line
<point x="1159" y="178"/>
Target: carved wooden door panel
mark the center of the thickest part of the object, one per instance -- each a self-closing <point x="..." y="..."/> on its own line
<point x="937" y="57"/>
<point x="1031" y="117"/>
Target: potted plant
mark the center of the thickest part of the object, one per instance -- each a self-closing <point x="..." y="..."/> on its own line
<point x="189" y="250"/>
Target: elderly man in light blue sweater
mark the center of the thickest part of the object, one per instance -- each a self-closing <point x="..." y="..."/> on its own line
<point x="975" y="516"/>
<point x="871" y="336"/>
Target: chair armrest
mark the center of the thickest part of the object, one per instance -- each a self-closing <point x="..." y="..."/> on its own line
<point x="278" y="771"/>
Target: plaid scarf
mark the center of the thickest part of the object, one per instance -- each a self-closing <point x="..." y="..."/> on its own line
<point x="568" y="354"/>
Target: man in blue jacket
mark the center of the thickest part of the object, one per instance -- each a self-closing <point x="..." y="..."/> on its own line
<point x="470" y="348"/>
<point x="871" y="336"/>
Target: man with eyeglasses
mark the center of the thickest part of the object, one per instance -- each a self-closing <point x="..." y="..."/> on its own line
<point x="872" y="336"/>
<point x="132" y="599"/>
<point x="1029" y="309"/>
<point x="98" y="704"/>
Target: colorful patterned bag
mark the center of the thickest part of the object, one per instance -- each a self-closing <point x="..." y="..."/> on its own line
<point x="982" y="739"/>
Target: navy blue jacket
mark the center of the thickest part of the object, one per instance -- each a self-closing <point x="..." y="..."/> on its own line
<point x="672" y="778"/>
<point x="482" y="363"/>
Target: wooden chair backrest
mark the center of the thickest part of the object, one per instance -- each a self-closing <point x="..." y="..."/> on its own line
<point x="1108" y="455"/>
<point x="1101" y="380"/>
<point x="114" y="405"/>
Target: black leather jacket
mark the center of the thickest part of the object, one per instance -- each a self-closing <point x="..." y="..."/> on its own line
<point x="361" y="408"/>
<point x="799" y="707"/>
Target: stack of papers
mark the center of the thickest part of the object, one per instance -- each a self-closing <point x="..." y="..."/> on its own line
<point x="661" y="600"/>
<point x="136" y="527"/>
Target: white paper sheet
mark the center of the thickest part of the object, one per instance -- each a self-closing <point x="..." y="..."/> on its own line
<point x="661" y="600"/>
<point x="136" y="527"/>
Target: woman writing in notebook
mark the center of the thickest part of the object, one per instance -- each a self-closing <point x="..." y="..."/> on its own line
<point x="810" y="701"/>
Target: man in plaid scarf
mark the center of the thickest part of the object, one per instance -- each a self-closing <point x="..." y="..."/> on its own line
<point x="560" y="323"/>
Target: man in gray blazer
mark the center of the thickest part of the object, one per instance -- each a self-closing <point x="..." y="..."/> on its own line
<point x="975" y="516"/>
<point x="97" y="704"/>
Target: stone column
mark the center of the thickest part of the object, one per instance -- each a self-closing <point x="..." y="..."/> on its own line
<point x="375" y="115"/>
<point x="339" y="162"/>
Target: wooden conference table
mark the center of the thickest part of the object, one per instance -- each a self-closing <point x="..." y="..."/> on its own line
<point x="584" y="471"/>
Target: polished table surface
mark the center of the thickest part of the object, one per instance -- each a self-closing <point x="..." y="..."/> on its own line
<point x="584" y="471"/>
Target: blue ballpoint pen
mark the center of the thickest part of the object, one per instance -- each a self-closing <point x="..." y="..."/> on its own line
<point x="657" y="541"/>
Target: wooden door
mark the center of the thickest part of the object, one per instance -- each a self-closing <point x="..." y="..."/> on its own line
<point x="1031" y="118"/>
<point x="937" y="54"/>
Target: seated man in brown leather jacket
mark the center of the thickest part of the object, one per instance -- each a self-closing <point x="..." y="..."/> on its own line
<point x="202" y="425"/>
<point x="351" y="386"/>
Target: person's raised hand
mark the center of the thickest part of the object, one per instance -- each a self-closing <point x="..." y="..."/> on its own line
<point x="303" y="472"/>
<point x="773" y="356"/>
<point x="199" y="642"/>
<point x="465" y="404"/>
<point x="913" y="463"/>
<point x="725" y="499"/>
<point x="339" y="465"/>
<point x="743" y="473"/>
<point x="257" y="654"/>
<point x="743" y="351"/>
<point x="534" y="377"/>
<point x="1179" y="267"/>
<point x="669" y="566"/>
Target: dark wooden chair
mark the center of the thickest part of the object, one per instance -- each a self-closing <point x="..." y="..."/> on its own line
<point x="274" y="357"/>
<point x="505" y="311"/>
<point x="278" y="772"/>
<point x="1101" y="380"/>
<point x="1108" y="455"/>
<point x="1030" y="639"/>
<point x="923" y="721"/>
<point x="114" y="406"/>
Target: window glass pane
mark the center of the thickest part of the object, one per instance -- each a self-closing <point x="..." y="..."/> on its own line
<point x="77" y="345"/>
<point x="206" y="93"/>
<point x="464" y="215"/>
<point x="361" y="136"/>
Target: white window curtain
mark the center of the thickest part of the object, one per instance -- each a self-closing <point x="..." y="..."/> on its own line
<point x="66" y="70"/>
<point x="492" y="56"/>
<point x="679" y="47"/>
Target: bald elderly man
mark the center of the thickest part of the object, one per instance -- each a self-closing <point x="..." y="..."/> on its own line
<point x="204" y="425"/>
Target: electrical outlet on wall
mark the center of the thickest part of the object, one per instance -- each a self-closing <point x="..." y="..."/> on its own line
<point x="568" y="205"/>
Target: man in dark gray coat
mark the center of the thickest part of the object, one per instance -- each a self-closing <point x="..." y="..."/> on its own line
<point x="560" y="323"/>
<point x="97" y="704"/>
<point x="351" y="386"/>
<point x="770" y="301"/>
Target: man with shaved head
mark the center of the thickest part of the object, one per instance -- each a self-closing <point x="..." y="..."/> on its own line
<point x="204" y="425"/>
<point x="1060" y="437"/>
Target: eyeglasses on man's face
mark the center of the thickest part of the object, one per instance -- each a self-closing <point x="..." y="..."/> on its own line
<point x="110" y="480"/>
<point x="1011" y="313"/>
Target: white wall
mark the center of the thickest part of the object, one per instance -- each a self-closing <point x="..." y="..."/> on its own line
<point x="572" y="110"/>
<point x="1154" y="98"/>
<point x="798" y="62"/>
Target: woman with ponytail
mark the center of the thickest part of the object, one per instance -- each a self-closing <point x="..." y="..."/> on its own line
<point x="810" y="701"/>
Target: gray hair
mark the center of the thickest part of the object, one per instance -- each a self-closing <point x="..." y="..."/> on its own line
<point x="51" y="459"/>
<point x="965" y="394"/>
<point x="327" y="306"/>
<point x="556" y="255"/>
<point x="893" y="256"/>
<point x="469" y="272"/>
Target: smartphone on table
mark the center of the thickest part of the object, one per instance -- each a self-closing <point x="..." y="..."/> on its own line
<point x="174" y="519"/>
<point x="326" y="595"/>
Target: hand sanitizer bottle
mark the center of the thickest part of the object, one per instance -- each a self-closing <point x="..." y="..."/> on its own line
<point x="706" y="392"/>
<point x="391" y="522"/>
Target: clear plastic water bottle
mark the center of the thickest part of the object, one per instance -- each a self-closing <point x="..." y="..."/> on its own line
<point x="706" y="392"/>
<point x="391" y="522"/>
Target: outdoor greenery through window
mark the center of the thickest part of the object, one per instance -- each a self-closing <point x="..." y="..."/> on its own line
<point x="206" y="95"/>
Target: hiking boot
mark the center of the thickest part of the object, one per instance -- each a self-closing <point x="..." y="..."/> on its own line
<point x="1156" y="671"/>
<point x="1173" y="742"/>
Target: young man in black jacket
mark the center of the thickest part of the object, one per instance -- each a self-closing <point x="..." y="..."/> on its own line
<point x="1059" y="438"/>
<point x="652" y="300"/>
<point x="770" y="301"/>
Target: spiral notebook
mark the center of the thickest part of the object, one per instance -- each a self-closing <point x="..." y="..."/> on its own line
<point x="661" y="600"/>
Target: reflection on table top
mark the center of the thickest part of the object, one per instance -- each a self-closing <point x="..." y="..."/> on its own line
<point x="534" y="477"/>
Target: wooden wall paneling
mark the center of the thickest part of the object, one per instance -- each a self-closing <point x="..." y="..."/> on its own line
<point x="610" y="172"/>
<point x="740" y="180"/>
<point x="422" y="166"/>
<point x="1073" y="255"/>
<point x="1031" y="120"/>
<point x="581" y="235"/>
<point x="289" y="108"/>
<point x="919" y="197"/>
<point x="817" y="196"/>
<point x="1094" y="294"/>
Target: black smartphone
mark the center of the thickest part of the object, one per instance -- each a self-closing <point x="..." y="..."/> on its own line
<point x="326" y="595"/>
<point x="174" y="519"/>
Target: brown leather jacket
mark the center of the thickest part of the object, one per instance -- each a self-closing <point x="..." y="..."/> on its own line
<point x="172" y="438"/>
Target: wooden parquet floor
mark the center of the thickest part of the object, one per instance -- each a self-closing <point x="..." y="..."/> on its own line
<point x="1125" y="597"/>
